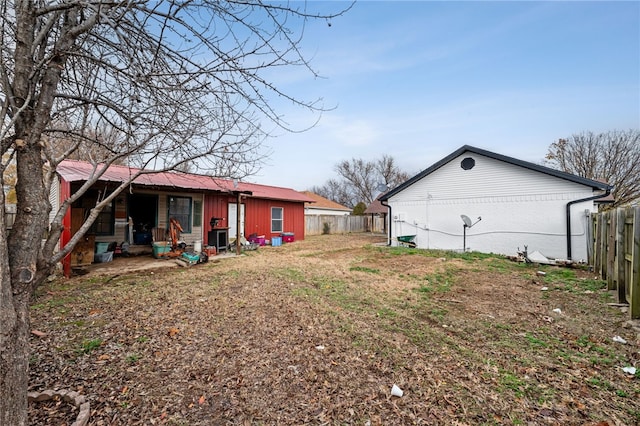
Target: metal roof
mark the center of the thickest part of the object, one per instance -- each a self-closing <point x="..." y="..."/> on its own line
<point x="78" y="171"/>
<point x="531" y="166"/>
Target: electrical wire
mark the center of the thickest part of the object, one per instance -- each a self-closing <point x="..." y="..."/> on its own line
<point x="488" y="232"/>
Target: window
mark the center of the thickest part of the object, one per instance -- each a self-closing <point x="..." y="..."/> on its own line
<point x="104" y="223"/>
<point x="276" y="219"/>
<point x="197" y="212"/>
<point x="180" y="209"/>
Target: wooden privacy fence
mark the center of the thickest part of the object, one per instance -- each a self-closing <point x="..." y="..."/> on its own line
<point x="315" y="224"/>
<point x="616" y="253"/>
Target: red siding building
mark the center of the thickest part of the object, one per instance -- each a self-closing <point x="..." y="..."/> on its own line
<point x="141" y="213"/>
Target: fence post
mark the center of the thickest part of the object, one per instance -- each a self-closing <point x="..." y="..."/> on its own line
<point x="634" y="284"/>
<point x="620" y="260"/>
<point x="596" y="257"/>
<point x="611" y="250"/>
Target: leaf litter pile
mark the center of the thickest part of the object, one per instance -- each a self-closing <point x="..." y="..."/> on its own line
<point x="318" y="332"/>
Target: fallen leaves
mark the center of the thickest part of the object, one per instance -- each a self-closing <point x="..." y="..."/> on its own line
<point x="291" y="336"/>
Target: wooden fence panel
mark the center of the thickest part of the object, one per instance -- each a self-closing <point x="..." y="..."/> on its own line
<point x="611" y="251"/>
<point x="321" y="224"/>
<point x="595" y="258"/>
<point x="628" y="259"/>
<point x="620" y="263"/>
<point x="616" y="254"/>
<point x="634" y="300"/>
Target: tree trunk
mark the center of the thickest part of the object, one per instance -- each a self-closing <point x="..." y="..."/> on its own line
<point x="22" y="262"/>
<point x="19" y="278"/>
<point x="13" y="341"/>
<point x="20" y="252"/>
<point x="14" y="355"/>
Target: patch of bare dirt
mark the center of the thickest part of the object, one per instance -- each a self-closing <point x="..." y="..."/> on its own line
<point x="318" y="331"/>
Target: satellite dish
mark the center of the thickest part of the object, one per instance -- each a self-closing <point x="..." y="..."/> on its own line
<point x="382" y="187"/>
<point x="467" y="224"/>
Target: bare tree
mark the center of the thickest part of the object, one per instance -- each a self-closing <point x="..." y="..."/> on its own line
<point x="150" y="84"/>
<point x="613" y="157"/>
<point x="335" y="190"/>
<point x="360" y="180"/>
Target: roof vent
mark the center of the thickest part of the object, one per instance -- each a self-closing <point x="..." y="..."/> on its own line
<point x="468" y="163"/>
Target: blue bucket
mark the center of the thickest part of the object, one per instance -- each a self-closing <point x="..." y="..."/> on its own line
<point x="276" y="241"/>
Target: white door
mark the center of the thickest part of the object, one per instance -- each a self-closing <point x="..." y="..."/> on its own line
<point x="233" y="220"/>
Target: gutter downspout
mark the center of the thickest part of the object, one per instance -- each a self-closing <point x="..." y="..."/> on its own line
<point x="568" y="214"/>
<point x="389" y="219"/>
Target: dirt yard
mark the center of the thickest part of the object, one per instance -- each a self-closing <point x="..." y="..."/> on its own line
<point x="318" y="332"/>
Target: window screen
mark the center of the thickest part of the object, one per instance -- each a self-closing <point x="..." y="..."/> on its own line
<point x="180" y="209"/>
<point x="197" y="213"/>
<point x="276" y="219"/>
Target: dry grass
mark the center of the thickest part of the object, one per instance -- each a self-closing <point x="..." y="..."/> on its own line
<point x="317" y="332"/>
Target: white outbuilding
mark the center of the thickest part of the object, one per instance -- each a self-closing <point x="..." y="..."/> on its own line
<point x="477" y="200"/>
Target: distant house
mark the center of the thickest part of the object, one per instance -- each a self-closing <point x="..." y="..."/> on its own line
<point x="323" y="206"/>
<point x="201" y="204"/>
<point x="475" y="199"/>
<point x="377" y="209"/>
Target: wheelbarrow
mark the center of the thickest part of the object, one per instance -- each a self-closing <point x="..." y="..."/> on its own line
<point x="407" y="240"/>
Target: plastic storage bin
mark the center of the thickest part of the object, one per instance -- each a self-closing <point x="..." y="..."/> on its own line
<point x="257" y="240"/>
<point x="191" y="257"/>
<point x="103" y="257"/>
<point x="160" y="248"/>
<point x="142" y="238"/>
<point x="276" y="241"/>
<point x="101" y="248"/>
<point x="287" y="237"/>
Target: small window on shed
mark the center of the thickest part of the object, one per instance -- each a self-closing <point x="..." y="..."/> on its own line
<point x="468" y="163"/>
<point x="276" y="219"/>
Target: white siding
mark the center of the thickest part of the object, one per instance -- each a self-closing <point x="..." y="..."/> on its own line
<point x="54" y="201"/>
<point x="54" y="198"/>
<point x="518" y="207"/>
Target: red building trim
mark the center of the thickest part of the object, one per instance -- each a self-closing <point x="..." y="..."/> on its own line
<point x="65" y="193"/>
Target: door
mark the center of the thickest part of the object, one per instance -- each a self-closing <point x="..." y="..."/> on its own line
<point x="233" y="220"/>
<point x="143" y="214"/>
<point x="82" y="253"/>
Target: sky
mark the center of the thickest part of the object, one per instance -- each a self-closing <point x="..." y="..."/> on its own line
<point x="417" y="80"/>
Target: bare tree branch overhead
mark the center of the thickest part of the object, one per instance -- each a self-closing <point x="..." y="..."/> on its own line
<point x="157" y="85"/>
<point x="613" y="157"/>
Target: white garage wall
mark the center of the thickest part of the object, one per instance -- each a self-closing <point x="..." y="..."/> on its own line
<point x="518" y="207"/>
